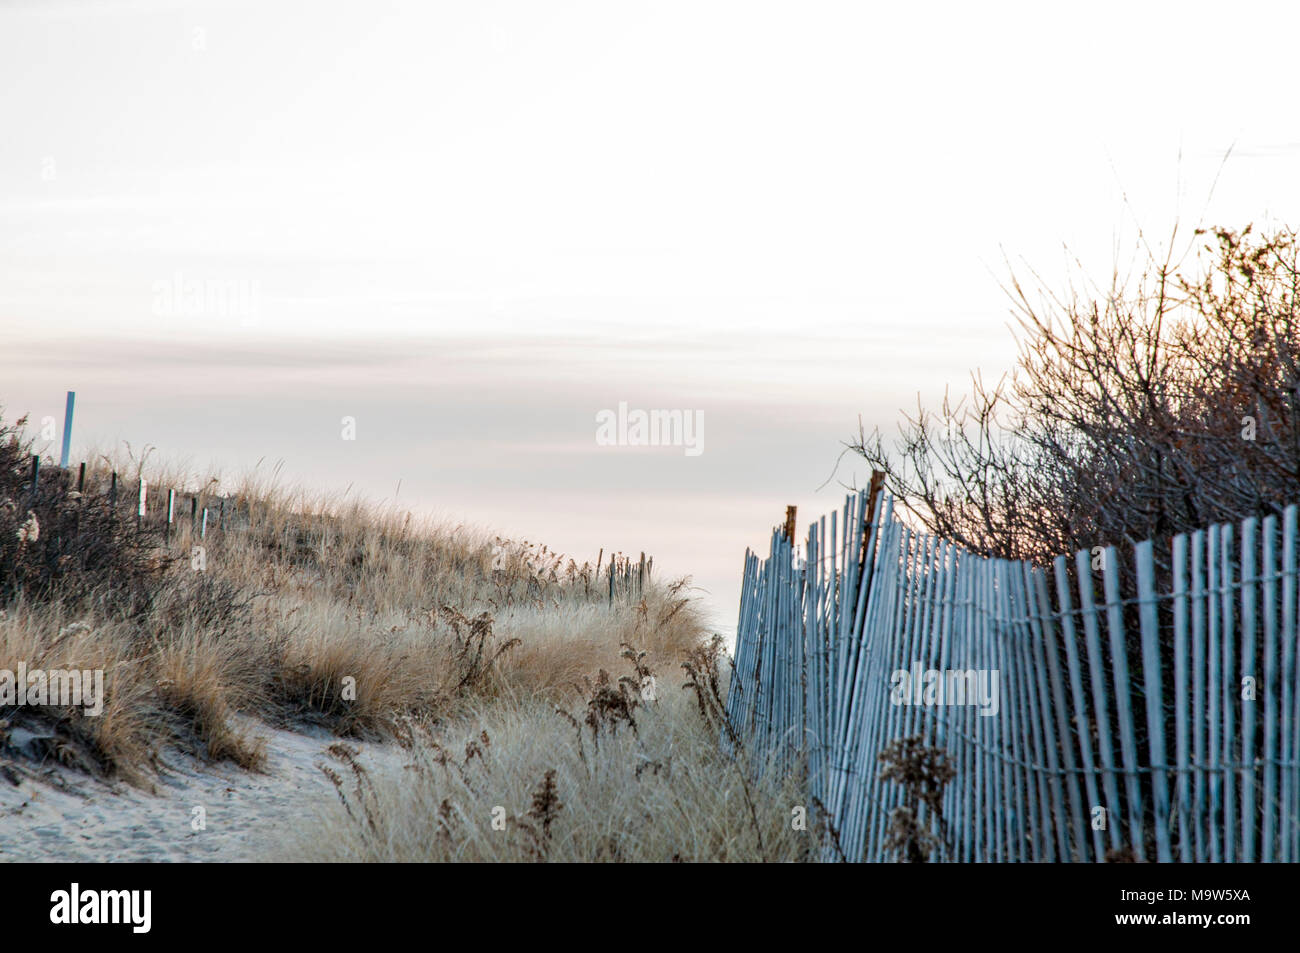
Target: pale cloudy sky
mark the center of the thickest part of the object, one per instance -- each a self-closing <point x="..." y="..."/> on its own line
<point x="474" y="225"/>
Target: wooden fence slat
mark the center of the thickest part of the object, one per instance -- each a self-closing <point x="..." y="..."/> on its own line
<point x="844" y="728"/>
<point x="1151" y="682"/>
<point x="1271" y="688"/>
<point x="889" y="796"/>
<point x="888" y="621"/>
<point x="1061" y="741"/>
<point x="817" y="643"/>
<point x="1049" y="760"/>
<point x="1097" y="674"/>
<point x="1231" y="693"/>
<point x="1216" y="695"/>
<point x="1048" y="788"/>
<point x="1080" y="703"/>
<point x="1290" y="820"/>
<point x="1013" y="646"/>
<point x="973" y="796"/>
<point x="926" y="717"/>
<point x="1199" y="821"/>
<point x="1123" y="702"/>
<point x="1182" y="741"/>
<point x="1012" y="726"/>
<point x="995" y="833"/>
<point x="884" y="613"/>
<point x="817" y="694"/>
<point x="1249" y="545"/>
<point x="964" y="792"/>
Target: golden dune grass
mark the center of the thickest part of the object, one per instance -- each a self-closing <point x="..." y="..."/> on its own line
<point x="332" y="611"/>
<point x="519" y="782"/>
<point x="496" y="664"/>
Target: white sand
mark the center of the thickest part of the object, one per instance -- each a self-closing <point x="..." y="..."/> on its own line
<point x="57" y="814"/>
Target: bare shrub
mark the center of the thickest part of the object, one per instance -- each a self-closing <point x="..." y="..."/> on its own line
<point x="1147" y="408"/>
<point x="62" y="543"/>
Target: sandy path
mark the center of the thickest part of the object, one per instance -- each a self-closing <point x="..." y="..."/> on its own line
<point x="56" y="814"/>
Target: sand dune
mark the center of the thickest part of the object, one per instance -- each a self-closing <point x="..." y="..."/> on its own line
<point x="56" y="814"/>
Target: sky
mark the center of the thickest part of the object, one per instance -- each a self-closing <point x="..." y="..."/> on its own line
<point x="473" y="227"/>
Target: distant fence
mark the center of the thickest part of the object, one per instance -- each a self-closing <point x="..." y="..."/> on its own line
<point x="1144" y="710"/>
<point x="627" y="576"/>
<point x="626" y="579"/>
<point x="138" y="498"/>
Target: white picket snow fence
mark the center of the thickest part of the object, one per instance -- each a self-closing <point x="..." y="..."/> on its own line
<point x="1163" y="724"/>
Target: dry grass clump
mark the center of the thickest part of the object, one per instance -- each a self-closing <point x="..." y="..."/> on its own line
<point x="360" y="675"/>
<point x="558" y="647"/>
<point x="199" y="685"/>
<point x="163" y="684"/>
<point x="43" y="637"/>
<point x="622" y="775"/>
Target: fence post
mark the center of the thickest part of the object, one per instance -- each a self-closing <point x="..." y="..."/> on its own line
<point x="67" y="429"/>
<point x="873" y="495"/>
<point x="869" y="519"/>
<point x="81" y="479"/>
<point x="171" y="508"/>
<point x="36" y="474"/>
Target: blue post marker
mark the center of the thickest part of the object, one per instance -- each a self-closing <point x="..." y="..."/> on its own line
<point x="67" y="429"/>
